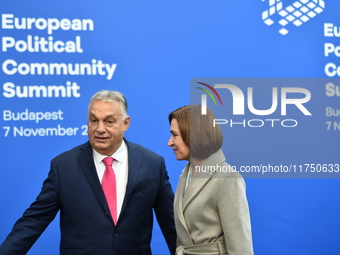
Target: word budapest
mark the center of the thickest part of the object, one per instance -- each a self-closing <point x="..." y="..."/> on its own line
<point x="239" y="105"/>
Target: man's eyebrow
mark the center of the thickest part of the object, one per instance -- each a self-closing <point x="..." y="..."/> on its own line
<point x="113" y="115"/>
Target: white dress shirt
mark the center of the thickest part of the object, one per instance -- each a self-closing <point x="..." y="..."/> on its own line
<point x="120" y="167"/>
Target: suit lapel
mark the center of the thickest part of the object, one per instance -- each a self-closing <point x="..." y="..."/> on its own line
<point x="85" y="159"/>
<point x="134" y="164"/>
<point x="201" y="179"/>
<point x="183" y="198"/>
<point x="195" y="186"/>
<point x="181" y="226"/>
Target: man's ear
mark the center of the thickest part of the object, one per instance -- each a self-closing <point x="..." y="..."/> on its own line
<point x="126" y="123"/>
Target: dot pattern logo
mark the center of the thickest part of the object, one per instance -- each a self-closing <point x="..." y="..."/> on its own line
<point x="297" y="13"/>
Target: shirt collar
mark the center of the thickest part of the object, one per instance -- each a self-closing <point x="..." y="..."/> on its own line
<point x="118" y="155"/>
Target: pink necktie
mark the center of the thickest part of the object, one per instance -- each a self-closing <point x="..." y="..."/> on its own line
<point x="109" y="187"/>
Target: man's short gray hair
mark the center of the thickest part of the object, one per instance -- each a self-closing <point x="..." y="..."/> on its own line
<point x="111" y="96"/>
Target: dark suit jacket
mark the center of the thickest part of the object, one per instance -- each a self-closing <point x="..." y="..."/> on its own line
<point x="86" y="225"/>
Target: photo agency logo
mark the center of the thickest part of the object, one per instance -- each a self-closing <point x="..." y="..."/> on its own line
<point x="204" y="97"/>
<point x="243" y="104"/>
<point x="298" y="13"/>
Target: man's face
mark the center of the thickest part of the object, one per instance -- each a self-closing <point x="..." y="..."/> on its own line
<point x="106" y="126"/>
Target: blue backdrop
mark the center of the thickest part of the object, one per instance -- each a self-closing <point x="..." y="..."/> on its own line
<point x="149" y="51"/>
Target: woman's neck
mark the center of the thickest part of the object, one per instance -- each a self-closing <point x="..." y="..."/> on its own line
<point x="194" y="163"/>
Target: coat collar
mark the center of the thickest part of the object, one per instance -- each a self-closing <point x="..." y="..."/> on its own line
<point x="85" y="159"/>
<point x="201" y="177"/>
<point x="86" y="162"/>
<point x="134" y="165"/>
<point x="184" y="197"/>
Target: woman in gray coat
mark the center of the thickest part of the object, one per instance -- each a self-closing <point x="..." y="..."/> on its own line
<point x="210" y="207"/>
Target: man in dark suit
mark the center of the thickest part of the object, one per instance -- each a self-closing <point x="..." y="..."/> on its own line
<point x="91" y="222"/>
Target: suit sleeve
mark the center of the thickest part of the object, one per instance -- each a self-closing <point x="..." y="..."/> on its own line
<point x="164" y="209"/>
<point x="234" y="215"/>
<point x="35" y="219"/>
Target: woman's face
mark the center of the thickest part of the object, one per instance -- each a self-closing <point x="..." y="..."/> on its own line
<point x="181" y="150"/>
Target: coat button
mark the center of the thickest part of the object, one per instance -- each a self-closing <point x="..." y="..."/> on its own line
<point x="115" y="235"/>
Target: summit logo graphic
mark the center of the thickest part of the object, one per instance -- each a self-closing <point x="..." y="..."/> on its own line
<point x="298" y="13"/>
